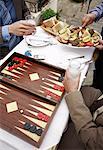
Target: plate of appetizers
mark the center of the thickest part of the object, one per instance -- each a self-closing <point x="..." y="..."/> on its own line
<point x="79" y="37"/>
<point x="53" y="26"/>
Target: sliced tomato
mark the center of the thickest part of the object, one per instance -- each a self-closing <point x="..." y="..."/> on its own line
<point x="82" y="44"/>
<point x="89" y="44"/>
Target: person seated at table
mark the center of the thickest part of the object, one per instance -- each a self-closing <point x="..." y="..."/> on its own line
<point x="93" y="16"/>
<point x="12" y="27"/>
<point x="86" y="111"/>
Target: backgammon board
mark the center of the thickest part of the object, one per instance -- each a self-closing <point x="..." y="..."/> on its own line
<point x="30" y="93"/>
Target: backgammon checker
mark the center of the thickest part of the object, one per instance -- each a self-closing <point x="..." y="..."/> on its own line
<point x="30" y="93"/>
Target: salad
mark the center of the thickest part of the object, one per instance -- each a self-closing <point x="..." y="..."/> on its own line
<point x="78" y="36"/>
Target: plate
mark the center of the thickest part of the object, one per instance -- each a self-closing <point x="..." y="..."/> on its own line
<point x="80" y="37"/>
<point x="37" y="41"/>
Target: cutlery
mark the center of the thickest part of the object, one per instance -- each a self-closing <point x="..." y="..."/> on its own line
<point x="76" y="57"/>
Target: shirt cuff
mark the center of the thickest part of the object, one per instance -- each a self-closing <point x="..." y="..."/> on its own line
<point x="5" y="33"/>
<point x="97" y="15"/>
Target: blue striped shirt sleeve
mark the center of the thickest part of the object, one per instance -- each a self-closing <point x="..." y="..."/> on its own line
<point x="98" y="11"/>
<point x="5" y="33"/>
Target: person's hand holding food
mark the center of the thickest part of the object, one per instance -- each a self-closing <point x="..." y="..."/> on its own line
<point x="88" y="19"/>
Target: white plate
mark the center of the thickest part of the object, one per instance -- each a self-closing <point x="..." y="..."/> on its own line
<point x="37" y="41"/>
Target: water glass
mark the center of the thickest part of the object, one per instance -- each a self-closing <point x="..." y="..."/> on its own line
<point x="74" y="68"/>
<point x="30" y="19"/>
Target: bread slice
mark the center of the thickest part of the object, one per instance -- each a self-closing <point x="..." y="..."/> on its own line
<point x="56" y="28"/>
<point x="64" y="36"/>
<point x="49" y="22"/>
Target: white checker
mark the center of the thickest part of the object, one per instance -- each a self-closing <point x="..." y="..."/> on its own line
<point x="11" y="107"/>
<point x="34" y="76"/>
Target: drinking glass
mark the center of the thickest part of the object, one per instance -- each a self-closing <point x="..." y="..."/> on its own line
<point x="74" y="68"/>
<point x="31" y="19"/>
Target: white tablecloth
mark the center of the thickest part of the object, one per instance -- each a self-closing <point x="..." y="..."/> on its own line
<point x="57" y="55"/>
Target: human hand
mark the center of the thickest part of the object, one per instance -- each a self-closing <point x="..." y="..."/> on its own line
<point x="100" y="46"/>
<point x="21" y="28"/>
<point x="88" y="19"/>
<point x="70" y="83"/>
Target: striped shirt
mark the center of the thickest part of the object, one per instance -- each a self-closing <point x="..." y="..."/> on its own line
<point x="7" y="16"/>
<point x="98" y="11"/>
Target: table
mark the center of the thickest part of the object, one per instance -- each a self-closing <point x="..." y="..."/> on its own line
<point x="56" y="54"/>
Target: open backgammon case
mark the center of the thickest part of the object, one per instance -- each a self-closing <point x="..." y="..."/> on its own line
<point x="30" y="93"/>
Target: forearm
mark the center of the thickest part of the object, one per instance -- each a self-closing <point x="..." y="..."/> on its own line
<point x="90" y="134"/>
<point x="98" y="11"/>
<point x="79" y="112"/>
